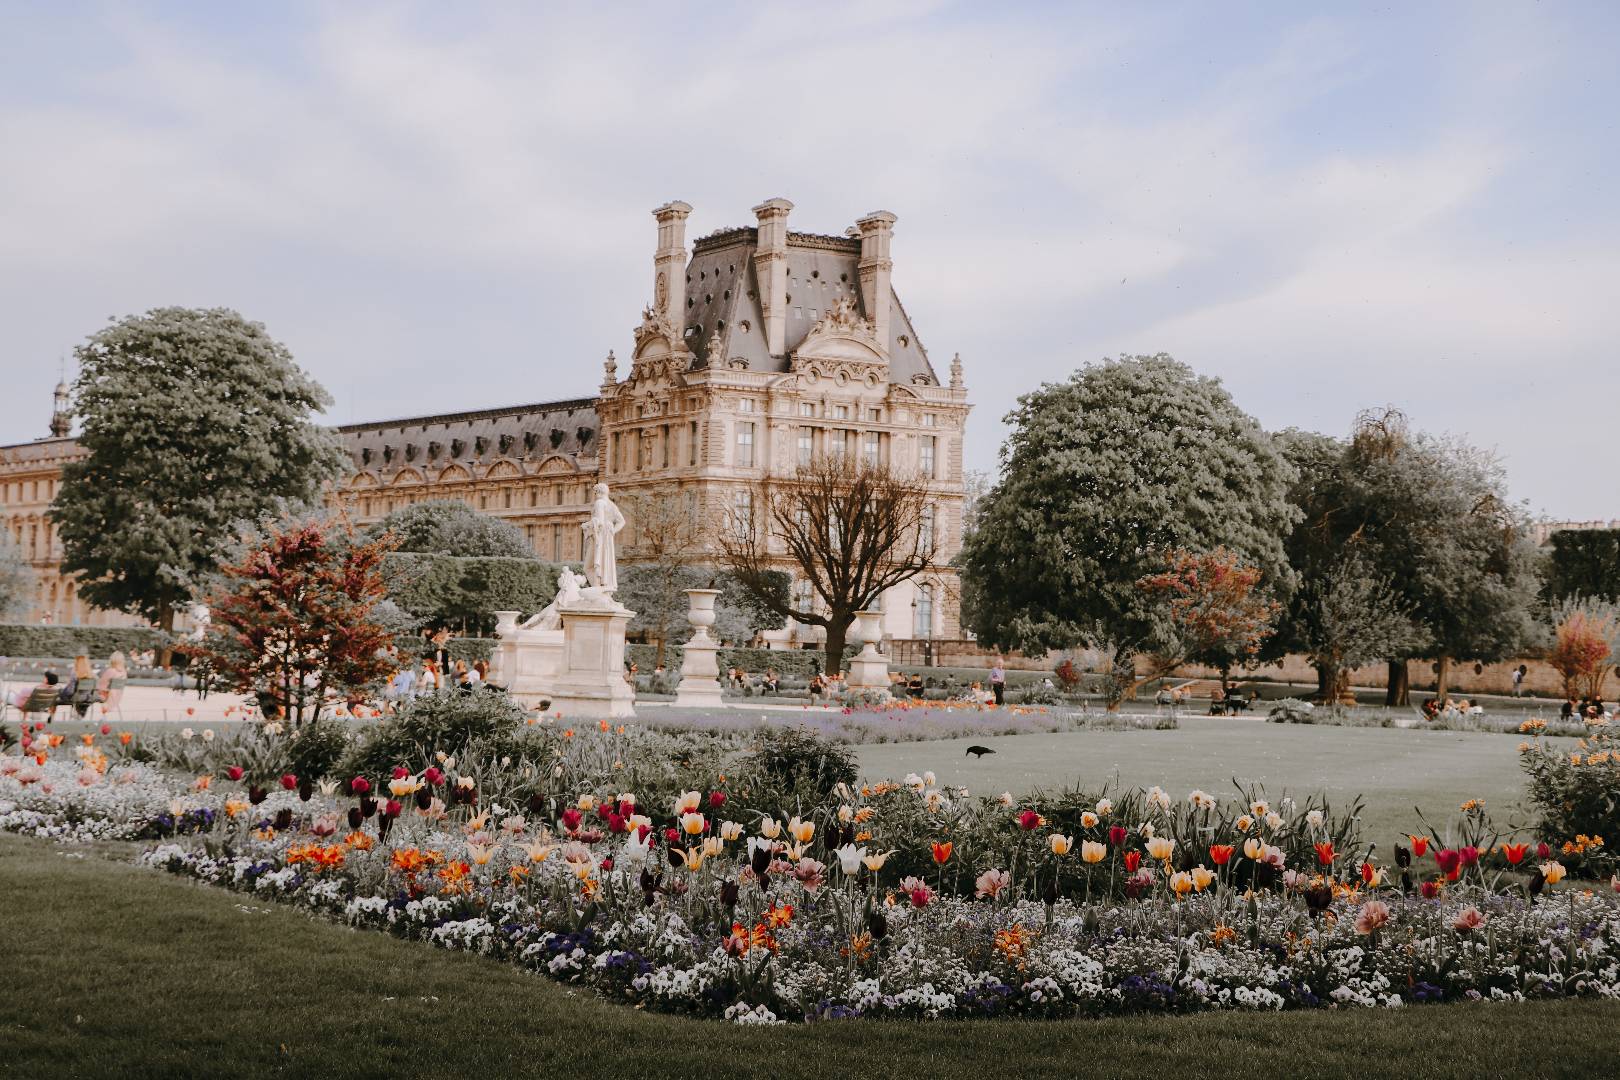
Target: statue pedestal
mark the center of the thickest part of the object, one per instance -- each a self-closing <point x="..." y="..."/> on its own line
<point x="590" y="684"/>
<point x="700" y="669"/>
<point x="526" y="662"/>
<point x="869" y="670"/>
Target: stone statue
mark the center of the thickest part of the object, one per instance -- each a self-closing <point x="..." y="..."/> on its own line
<point x="601" y="561"/>
<point x="567" y="594"/>
<point x="200" y="618"/>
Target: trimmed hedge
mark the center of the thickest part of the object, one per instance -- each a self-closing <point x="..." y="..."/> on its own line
<point x="789" y="663"/>
<point x="450" y="588"/>
<point x="1584" y="562"/>
<point x="18" y="639"/>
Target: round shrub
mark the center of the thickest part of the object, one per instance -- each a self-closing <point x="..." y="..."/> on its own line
<point x="447" y="722"/>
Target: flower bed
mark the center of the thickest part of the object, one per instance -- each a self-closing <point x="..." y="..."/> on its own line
<point x="778" y="889"/>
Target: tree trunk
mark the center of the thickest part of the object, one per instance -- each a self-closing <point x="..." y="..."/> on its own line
<point x="1226" y="678"/>
<point x="658" y="656"/>
<point x="1327" y="683"/>
<point x="837" y="633"/>
<point x="1440" y="679"/>
<point x="166" y="624"/>
<point x="1397" y="692"/>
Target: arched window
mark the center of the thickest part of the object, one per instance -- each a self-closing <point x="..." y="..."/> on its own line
<point x="923" y="620"/>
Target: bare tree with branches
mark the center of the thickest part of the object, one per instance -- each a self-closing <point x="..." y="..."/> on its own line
<point x="851" y="528"/>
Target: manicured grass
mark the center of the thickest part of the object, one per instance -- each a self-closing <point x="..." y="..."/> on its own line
<point x="112" y="970"/>
<point x="1395" y="769"/>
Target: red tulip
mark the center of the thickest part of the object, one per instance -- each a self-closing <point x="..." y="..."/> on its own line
<point x="1133" y="860"/>
<point x="942" y="851"/>
<point x="919" y="896"/>
<point x="391" y="808"/>
<point x="289" y="781"/>
<point x="1368" y="873"/>
<point x="1420" y="845"/>
<point x="359" y="785"/>
<point x="615" y="822"/>
<point x="433" y="776"/>
<point x="1543" y="851"/>
<point x="1448" y="860"/>
<point x="717" y="799"/>
<point x="1514" y="853"/>
<point x="401" y="772"/>
<point x="1469" y="855"/>
<point x="1117" y="835"/>
<point x="570" y="819"/>
<point x="1324" y="853"/>
<point x="234" y="772"/>
<point x="607" y="863"/>
<point x="1221" y="854"/>
<point x="1431" y="889"/>
<point x="106" y="729"/>
<point x="671" y="835"/>
<point x="1029" y="819"/>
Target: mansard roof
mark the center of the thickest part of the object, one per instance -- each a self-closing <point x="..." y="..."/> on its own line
<point x="721" y="287"/>
<point x="479" y="436"/>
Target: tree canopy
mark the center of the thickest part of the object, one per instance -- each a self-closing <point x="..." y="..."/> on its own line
<point x="1584" y="562"/>
<point x="17" y="578"/>
<point x="193" y="421"/>
<point x="1101" y="477"/>
<point x="451" y="527"/>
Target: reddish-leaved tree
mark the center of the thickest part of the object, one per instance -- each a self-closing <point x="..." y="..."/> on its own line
<point x="293" y="621"/>
<point x="1584" y="636"/>
<point x="1212" y="611"/>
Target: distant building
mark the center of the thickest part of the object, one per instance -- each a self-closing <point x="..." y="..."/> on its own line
<point x="761" y="348"/>
<point x="1542" y="531"/>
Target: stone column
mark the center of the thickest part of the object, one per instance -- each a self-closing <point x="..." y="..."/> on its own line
<point x="503" y="664"/>
<point x="700" y="668"/>
<point x="869" y="670"/>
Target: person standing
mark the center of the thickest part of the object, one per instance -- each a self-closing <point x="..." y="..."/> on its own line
<point x="1518" y="679"/>
<point x="998" y="681"/>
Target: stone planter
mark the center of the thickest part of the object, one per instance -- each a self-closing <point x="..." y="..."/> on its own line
<point x="700" y="667"/>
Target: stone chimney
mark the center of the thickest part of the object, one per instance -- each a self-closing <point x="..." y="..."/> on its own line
<point x="669" y="264"/>
<point x="877" y="229"/>
<point x="770" y="267"/>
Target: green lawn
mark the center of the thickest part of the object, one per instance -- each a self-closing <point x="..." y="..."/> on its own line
<point x="1396" y="769"/>
<point x="111" y="970"/>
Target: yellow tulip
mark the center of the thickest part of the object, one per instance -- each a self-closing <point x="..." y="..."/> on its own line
<point x="713" y="846"/>
<point x="587" y="802"/>
<point x="1201" y="878"/>
<point x="1553" y="872"/>
<point x="1245" y="823"/>
<point x="1160" y="847"/>
<point x="730" y="830"/>
<point x="874" y="861"/>
<point x="692" y="824"/>
<point x="1254" y="848"/>
<point x="802" y="831"/>
<point x="1060" y="844"/>
<point x="1181" y="882"/>
<point x="770" y="828"/>
<point x="1093" y="852"/>
<point x="1088" y="820"/>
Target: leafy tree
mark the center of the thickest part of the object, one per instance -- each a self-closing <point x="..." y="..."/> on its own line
<point x="451" y="527"/>
<point x="295" y="617"/>
<point x="852" y="529"/>
<point x="1102" y="476"/>
<point x="1210" y="611"/>
<point x="1349" y="616"/>
<point x="194" y="421"/>
<point x="451" y="590"/>
<point x="1431" y="518"/>
<point x="1586" y="640"/>
<point x="17" y="579"/>
<point x="1584" y="562"/>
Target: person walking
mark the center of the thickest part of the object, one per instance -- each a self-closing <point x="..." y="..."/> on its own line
<point x="998" y="681"/>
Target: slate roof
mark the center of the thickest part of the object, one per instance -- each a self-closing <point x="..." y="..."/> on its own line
<point x="721" y="286"/>
<point x="480" y="436"/>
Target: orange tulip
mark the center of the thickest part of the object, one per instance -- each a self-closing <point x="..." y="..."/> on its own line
<point x="942" y="852"/>
<point x="1514" y="853"/>
<point x="1221" y="854"/>
<point x="1420" y="845"/>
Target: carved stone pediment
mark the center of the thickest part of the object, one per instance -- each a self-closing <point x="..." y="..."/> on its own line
<point x="842" y="334"/>
<point x="656" y="324"/>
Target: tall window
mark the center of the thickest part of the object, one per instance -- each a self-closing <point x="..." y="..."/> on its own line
<point x="925" y="530"/>
<point x="871" y="446"/>
<point x="804" y="596"/>
<point x="925" y="461"/>
<point x="742" y="513"/>
<point x="692" y="444"/>
<point x="556" y="542"/>
<point x="663" y="440"/>
<point x="745" y="445"/>
<point x="840" y="412"/>
<point x="807" y="445"/>
<point x="745" y="405"/>
<point x="807" y="408"/>
<point x="923" y="621"/>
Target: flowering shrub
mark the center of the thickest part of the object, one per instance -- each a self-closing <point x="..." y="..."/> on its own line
<point x="1577" y="792"/>
<point x="589" y="858"/>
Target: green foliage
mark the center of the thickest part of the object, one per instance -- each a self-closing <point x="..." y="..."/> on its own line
<point x="451" y="527"/>
<point x="468" y="590"/>
<point x="1350" y="616"/>
<point x="1101" y="475"/>
<point x="1292" y="711"/>
<point x="448" y="721"/>
<point x="798" y="763"/>
<point x="194" y="421"/>
<point x="789" y="663"/>
<point x="657" y="594"/>
<point x="1584" y="562"/>
<point x="18" y="639"/>
<point x="314" y="749"/>
<point x="1577" y="795"/>
<point x="17" y="579"/>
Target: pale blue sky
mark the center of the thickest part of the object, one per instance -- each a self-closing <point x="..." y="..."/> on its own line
<point x="1328" y="207"/>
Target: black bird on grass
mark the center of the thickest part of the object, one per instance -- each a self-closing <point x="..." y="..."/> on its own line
<point x="979" y="751"/>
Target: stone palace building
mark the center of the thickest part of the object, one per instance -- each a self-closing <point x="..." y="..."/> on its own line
<point x="761" y="347"/>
